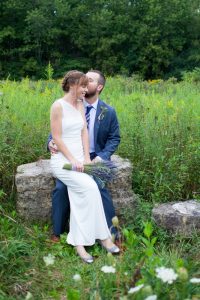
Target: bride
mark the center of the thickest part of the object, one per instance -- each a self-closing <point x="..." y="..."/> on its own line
<point x="69" y="131"/>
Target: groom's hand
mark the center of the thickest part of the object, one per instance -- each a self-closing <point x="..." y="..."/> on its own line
<point x="52" y="147"/>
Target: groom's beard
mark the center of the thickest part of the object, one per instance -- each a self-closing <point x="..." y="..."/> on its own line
<point x="90" y="94"/>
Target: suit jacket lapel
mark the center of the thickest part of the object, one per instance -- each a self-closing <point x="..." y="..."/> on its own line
<point x="97" y="122"/>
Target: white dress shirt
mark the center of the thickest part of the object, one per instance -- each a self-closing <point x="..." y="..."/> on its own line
<point x="91" y="123"/>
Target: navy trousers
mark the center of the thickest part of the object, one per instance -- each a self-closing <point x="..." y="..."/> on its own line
<point x="61" y="207"/>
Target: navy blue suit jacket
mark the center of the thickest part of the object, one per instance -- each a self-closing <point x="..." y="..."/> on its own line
<point x="106" y="131"/>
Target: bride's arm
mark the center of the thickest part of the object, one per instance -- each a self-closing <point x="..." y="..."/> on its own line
<point x="56" y="129"/>
<point x="85" y="136"/>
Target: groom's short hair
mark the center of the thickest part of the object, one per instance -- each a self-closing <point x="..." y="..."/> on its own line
<point x="102" y="78"/>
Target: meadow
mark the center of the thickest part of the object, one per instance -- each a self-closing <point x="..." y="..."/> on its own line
<point x="160" y="130"/>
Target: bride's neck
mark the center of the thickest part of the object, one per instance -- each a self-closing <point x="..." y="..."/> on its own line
<point x="70" y="98"/>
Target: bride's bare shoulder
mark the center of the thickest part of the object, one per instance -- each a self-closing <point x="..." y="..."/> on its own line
<point x="56" y="103"/>
<point x="56" y="106"/>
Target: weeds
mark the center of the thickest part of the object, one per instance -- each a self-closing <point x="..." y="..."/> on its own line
<point x="32" y="265"/>
<point x="160" y="130"/>
<point x="159" y="124"/>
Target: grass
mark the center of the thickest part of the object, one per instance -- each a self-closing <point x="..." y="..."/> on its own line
<point x="23" y="270"/>
<point x="160" y="132"/>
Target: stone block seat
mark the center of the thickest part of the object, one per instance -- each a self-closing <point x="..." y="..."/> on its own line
<point x="35" y="182"/>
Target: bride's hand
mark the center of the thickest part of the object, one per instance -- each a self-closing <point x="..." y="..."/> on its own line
<point x="77" y="165"/>
<point x="87" y="161"/>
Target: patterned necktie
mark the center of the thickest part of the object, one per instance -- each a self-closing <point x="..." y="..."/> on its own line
<point x="87" y="114"/>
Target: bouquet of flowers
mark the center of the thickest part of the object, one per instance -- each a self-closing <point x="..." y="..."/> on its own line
<point x="103" y="171"/>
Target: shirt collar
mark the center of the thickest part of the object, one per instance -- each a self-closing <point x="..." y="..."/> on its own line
<point x="94" y="105"/>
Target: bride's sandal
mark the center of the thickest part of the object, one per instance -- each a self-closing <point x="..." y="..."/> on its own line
<point x="114" y="249"/>
<point x="87" y="259"/>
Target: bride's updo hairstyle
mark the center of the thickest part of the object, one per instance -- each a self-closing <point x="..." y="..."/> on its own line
<point x="73" y="77"/>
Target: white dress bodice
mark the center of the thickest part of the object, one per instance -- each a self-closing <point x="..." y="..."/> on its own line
<point x="72" y="125"/>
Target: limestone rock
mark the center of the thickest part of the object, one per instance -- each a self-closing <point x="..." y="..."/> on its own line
<point x="121" y="187"/>
<point x="35" y="182"/>
<point x="181" y="217"/>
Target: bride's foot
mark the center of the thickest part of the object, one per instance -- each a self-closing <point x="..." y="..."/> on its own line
<point x="86" y="257"/>
<point x="110" y="246"/>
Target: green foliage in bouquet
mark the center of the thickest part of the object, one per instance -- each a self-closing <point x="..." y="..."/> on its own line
<point x="104" y="171"/>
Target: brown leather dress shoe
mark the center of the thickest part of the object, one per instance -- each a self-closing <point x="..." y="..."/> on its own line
<point x="55" y="238"/>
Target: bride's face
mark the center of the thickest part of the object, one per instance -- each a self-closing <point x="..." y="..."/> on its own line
<point x="81" y="90"/>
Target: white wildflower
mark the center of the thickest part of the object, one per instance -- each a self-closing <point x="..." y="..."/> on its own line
<point x="152" y="297"/>
<point x="28" y="296"/>
<point x="135" y="289"/>
<point x="49" y="259"/>
<point x="166" y="274"/>
<point x="77" y="277"/>
<point x="108" y="269"/>
<point x="195" y="280"/>
<point x="126" y="273"/>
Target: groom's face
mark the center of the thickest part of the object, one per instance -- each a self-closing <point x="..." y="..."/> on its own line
<point x="93" y="85"/>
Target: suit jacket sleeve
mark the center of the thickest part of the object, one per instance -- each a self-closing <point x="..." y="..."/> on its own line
<point x="49" y="139"/>
<point x="113" y="138"/>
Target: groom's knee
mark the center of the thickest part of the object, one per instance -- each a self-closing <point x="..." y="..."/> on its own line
<point x="60" y="190"/>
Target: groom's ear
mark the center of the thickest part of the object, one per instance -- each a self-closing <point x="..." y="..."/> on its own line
<point x="100" y="88"/>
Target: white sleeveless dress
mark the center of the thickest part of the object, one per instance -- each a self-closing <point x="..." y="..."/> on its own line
<point x="87" y="217"/>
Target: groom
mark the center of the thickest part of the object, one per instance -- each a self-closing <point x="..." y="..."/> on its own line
<point x="103" y="128"/>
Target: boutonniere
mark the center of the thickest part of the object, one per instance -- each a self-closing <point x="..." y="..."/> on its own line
<point x="102" y="113"/>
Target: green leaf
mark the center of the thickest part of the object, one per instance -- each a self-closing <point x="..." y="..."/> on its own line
<point x="148" y="229"/>
<point x="145" y="241"/>
<point x="153" y="241"/>
<point x="73" y="294"/>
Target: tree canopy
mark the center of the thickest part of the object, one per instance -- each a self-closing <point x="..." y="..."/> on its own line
<point x="154" y="38"/>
